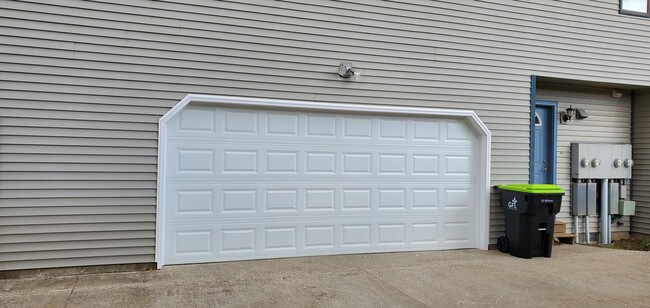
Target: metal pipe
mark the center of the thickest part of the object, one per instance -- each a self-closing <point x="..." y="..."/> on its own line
<point x="575" y="228"/>
<point x="587" y="229"/>
<point x="604" y="211"/>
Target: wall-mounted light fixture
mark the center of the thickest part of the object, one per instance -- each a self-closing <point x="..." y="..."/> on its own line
<point x="617" y="93"/>
<point x="571" y="113"/>
<point x="346" y="70"/>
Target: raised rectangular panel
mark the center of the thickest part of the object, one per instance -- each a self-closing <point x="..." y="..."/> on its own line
<point x="457" y="165"/>
<point x="194" y="241"/>
<point x="201" y="161"/>
<point x="357" y="127"/>
<point x="282" y="162"/>
<point x="240" y="161"/>
<point x="579" y="199"/>
<point x="389" y="163"/>
<point x="392" y="234"/>
<point x="591" y="199"/>
<point x="321" y="126"/>
<point x="457" y="132"/>
<point x="426" y="131"/>
<point x="425" y="164"/>
<point x="197" y="120"/>
<point x="392" y="198"/>
<point x="279" y="238"/>
<point x="355" y="235"/>
<point x="457" y="198"/>
<point x="321" y="163"/>
<point x="282" y="124"/>
<point x="319" y="199"/>
<point x="456" y="231"/>
<point x="241" y="122"/>
<point x="356" y="199"/>
<point x="356" y="163"/>
<point x="238" y="240"/>
<point x="392" y="129"/>
<point x="425" y="198"/>
<point x="425" y="233"/>
<point x="319" y="236"/>
<point x="194" y="202"/>
<point x="613" y="198"/>
<point x="281" y="200"/>
<point x="239" y="200"/>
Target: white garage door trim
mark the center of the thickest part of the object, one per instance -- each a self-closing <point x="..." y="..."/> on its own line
<point x="469" y="117"/>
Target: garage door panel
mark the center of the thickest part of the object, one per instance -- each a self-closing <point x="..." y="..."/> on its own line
<point x="244" y="183"/>
<point x="236" y="241"/>
<point x="242" y="124"/>
<point x="295" y="200"/>
<point x="251" y="161"/>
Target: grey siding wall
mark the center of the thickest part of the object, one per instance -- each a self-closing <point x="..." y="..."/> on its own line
<point x="641" y="171"/>
<point x="83" y="83"/>
<point x="609" y="122"/>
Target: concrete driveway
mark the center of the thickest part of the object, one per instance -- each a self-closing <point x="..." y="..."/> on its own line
<point x="575" y="276"/>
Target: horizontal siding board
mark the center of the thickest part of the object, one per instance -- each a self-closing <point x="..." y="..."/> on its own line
<point x="75" y="245"/>
<point x="78" y="210"/>
<point x="72" y="176"/>
<point x="81" y="236"/>
<point x="75" y="261"/>
<point x="73" y="219"/>
<point x="74" y="253"/>
<point x="71" y="192"/>
<point x="113" y="201"/>
<point x="76" y="167"/>
<point x="80" y="227"/>
<point x="95" y="150"/>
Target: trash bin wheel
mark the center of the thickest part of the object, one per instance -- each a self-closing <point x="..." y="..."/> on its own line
<point x="503" y="244"/>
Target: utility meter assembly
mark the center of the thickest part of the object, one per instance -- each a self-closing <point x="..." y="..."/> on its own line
<point x="600" y="170"/>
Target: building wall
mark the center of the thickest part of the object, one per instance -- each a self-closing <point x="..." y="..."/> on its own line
<point x="83" y="83"/>
<point x="641" y="171"/>
<point x="609" y="122"/>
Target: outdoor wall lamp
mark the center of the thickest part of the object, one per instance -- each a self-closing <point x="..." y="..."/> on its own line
<point x="346" y="70"/>
<point x="571" y="113"/>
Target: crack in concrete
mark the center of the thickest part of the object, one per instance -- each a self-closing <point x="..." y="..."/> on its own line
<point x="70" y="295"/>
<point x="386" y="283"/>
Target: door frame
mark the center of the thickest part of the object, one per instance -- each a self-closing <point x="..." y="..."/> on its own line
<point x="470" y="117"/>
<point x="552" y="147"/>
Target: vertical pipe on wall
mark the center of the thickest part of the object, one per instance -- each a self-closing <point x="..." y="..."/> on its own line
<point x="587" y="229"/>
<point x="604" y="211"/>
<point x="575" y="228"/>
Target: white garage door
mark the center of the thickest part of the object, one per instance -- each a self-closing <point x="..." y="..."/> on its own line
<point x="250" y="183"/>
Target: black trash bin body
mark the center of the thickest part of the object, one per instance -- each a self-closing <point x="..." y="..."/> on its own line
<point x="530" y="211"/>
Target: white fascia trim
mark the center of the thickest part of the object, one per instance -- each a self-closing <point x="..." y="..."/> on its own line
<point x="484" y="134"/>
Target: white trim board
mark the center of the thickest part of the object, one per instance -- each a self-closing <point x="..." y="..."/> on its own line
<point x="470" y="117"/>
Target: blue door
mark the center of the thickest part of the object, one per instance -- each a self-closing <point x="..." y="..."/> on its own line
<point x="544" y="145"/>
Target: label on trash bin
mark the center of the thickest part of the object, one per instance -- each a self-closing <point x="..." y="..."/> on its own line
<point x="547" y="200"/>
<point x="512" y="205"/>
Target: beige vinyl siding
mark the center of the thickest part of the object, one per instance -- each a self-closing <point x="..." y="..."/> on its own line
<point x="609" y="122"/>
<point x="641" y="156"/>
<point x="83" y="84"/>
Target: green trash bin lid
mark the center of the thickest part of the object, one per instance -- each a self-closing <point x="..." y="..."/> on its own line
<point x="535" y="189"/>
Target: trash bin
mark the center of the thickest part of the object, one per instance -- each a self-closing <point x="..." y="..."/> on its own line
<point x="530" y="211"/>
